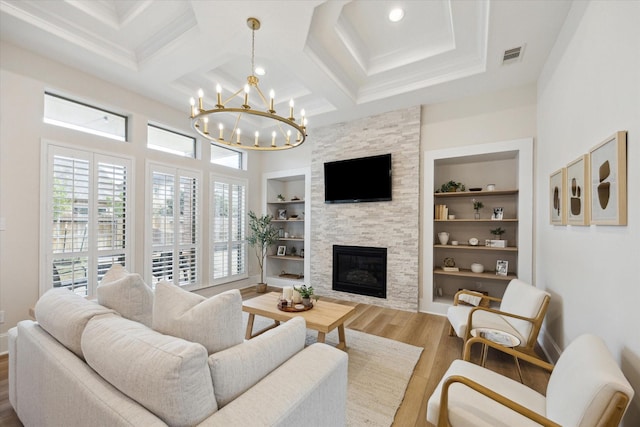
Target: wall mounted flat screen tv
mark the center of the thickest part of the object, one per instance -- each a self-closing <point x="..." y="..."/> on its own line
<point x="365" y="179"/>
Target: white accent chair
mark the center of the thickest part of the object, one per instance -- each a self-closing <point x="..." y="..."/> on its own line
<point x="521" y="312"/>
<point x="586" y="388"/>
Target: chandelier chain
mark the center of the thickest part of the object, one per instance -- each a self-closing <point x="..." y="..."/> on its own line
<point x="253" y="48"/>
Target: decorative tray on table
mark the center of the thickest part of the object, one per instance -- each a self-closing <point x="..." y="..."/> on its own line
<point x="295" y="307"/>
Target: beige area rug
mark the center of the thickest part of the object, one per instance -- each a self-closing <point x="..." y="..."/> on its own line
<point x="379" y="371"/>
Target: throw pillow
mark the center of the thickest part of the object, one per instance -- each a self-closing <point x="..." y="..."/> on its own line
<point x="64" y="315"/>
<point x="127" y="294"/>
<point x="214" y="322"/>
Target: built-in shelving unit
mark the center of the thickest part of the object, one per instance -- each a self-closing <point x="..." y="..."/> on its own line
<point x="291" y="218"/>
<point x="506" y="165"/>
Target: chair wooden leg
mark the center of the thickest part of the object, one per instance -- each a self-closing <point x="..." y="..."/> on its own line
<point x="519" y="370"/>
<point x="452" y="333"/>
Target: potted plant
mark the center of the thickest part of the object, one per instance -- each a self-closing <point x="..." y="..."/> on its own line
<point x="477" y="205"/>
<point x="451" y="186"/>
<point x="305" y="292"/>
<point x="262" y="236"/>
<point x="498" y="243"/>
<point x="280" y="198"/>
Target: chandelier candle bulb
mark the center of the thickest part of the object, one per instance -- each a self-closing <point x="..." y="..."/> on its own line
<point x="272" y="95"/>
<point x="291" y="109"/>
<point x="206" y="125"/>
<point x="256" y="141"/>
<point x="221" y="128"/>
<point x="288" y="136"/>
<point x="302" y="117"/>
<point x="246" y="96"/>
<point x="192" y="101"/>
<point x="273" y="138"/>
<point x="200" y="96"/>
<point x="219" y="96"/>
<point x="238" y="136"/>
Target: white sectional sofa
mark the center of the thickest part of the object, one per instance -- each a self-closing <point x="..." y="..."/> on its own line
<point x="84" y="364"/>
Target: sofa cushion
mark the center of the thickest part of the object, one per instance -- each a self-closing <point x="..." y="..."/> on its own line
<point x="127" y="294"/>
<point x="238" y="368"/>
<point x="64" y="315"/>
<point x="214" y="322"/>
<point x="167" y="375"/>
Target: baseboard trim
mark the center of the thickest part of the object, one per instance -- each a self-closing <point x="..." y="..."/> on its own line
<point x="549" y="346"/>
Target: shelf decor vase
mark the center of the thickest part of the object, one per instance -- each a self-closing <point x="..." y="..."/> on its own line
<point x="476" y="215"/>
<point x="443" y="237"/>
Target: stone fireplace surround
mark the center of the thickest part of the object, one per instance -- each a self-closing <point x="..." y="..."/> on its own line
<point x="393" y="224"/>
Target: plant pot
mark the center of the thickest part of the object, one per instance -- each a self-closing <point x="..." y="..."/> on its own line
<point x="306" y="302"/>
<point x="476" y="215"/>
<point x="261" y="288"/>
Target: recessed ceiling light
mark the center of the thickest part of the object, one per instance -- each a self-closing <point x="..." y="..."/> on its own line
<point x="260" y="71"/>
<point x="396" y="15"/>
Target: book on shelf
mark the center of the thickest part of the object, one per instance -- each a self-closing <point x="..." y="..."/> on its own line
<point x="450" y="269"/>
<point x="441" y="212"/>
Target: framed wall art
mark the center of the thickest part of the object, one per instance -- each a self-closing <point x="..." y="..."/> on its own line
<point x="608" y="169"/>
<point x="577" y="191"/>
<point x="557" y="201"/>
<point x="282" y="251"/>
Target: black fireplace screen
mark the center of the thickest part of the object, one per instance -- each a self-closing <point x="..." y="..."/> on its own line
<point x="360" y="270"/>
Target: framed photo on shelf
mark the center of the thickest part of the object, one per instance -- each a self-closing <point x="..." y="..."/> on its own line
<point x="557" y="201"/>
<point x="502" y="267"/>
<point x="497" y="214"/>
<point x="282" y="214"/>
<point x="608" y="168"/>
<point x="577" y="197"/>
<point x="282" y="251"/>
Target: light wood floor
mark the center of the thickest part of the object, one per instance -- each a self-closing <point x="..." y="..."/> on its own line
<point x="423" y="330"/>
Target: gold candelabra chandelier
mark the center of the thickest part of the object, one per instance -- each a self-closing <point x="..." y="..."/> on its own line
<point x="244" y="124"/>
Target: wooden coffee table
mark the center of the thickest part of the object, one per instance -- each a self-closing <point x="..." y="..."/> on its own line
<point x="324" y="317"/>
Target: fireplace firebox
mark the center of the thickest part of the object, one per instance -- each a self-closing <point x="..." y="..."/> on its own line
<point x="360" y="270"/>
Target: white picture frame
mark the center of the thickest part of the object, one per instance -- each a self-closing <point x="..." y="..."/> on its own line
<point x="282" y="251"/>
<point x="498" y="213"/>
<point x="282" y="214"/>
<point x="502" y="267"/>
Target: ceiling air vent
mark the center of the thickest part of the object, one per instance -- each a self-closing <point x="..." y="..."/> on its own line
<point x="512" y="55"/>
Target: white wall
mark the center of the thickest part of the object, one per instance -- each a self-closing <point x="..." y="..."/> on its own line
<point x="24" y="77"/>
<point x="589" y="89"/>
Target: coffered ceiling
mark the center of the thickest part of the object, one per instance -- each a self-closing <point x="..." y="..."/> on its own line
<point x="339" y="59"/>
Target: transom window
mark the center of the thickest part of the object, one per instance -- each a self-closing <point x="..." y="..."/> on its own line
<point x="64" y="112"/>
<point x="170" y="142"/>
<point x="226" y="157"/>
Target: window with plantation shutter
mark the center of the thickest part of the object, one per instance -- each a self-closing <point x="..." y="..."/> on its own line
<point x="228" y="223"/>
<point x="86" y="218"/>
<point x="174" y="229"/>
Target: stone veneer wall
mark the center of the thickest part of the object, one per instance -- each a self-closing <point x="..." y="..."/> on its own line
<point x="394" y="224"/>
